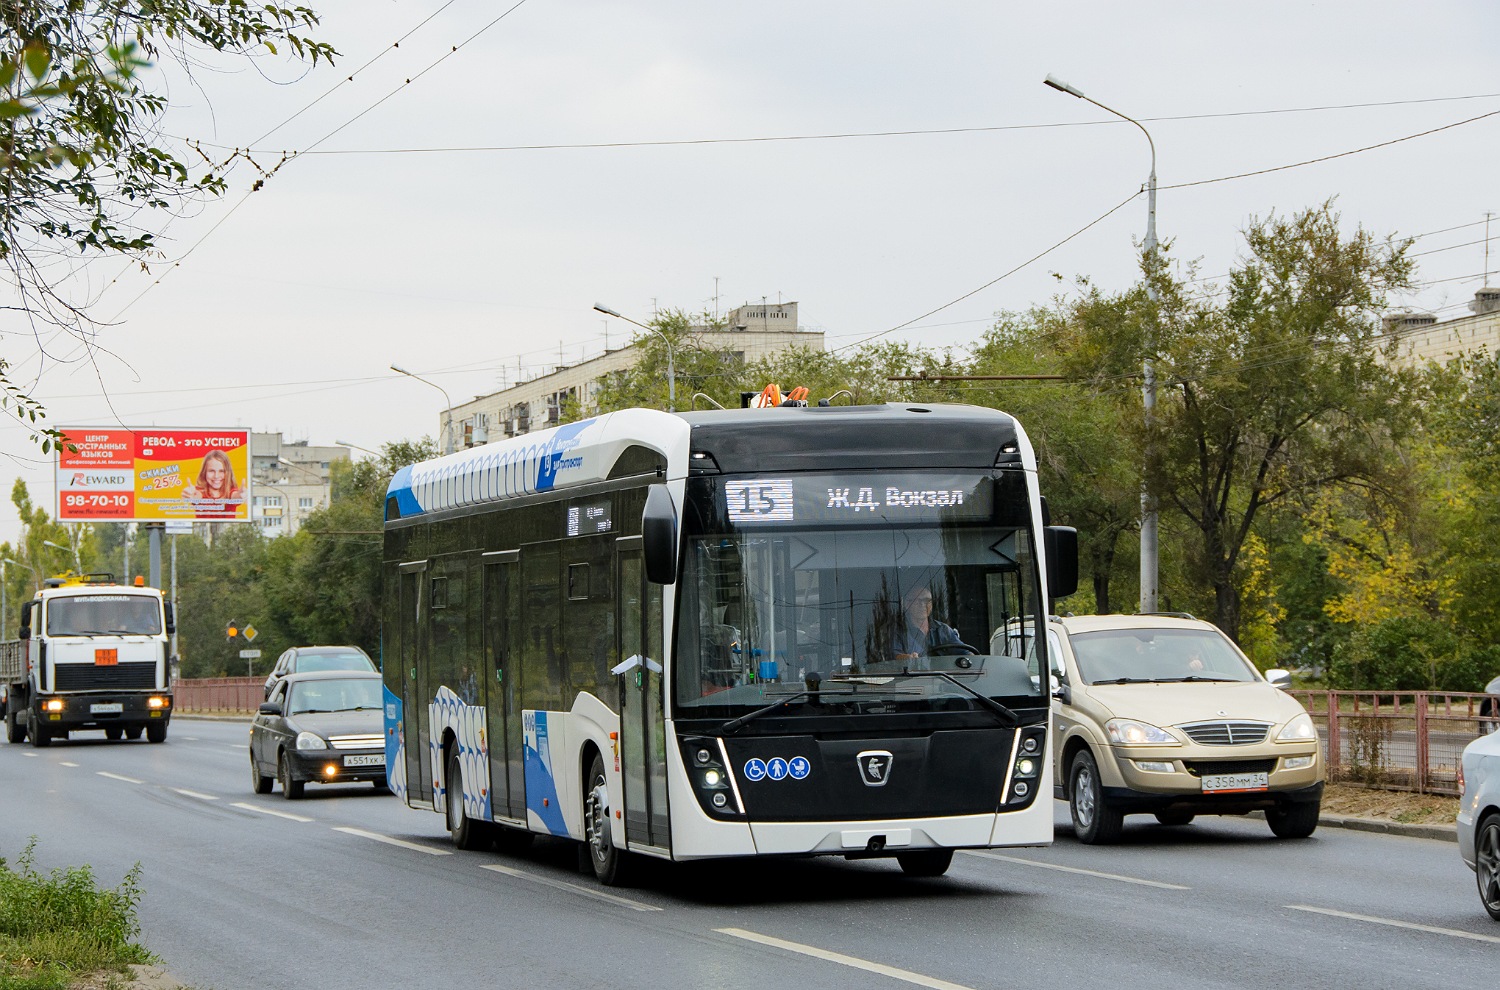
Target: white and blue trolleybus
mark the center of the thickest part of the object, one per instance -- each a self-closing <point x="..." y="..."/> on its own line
<point x="756" y="632"/>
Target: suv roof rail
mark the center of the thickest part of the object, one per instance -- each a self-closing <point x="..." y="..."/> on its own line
<point x="1172" y="615"/>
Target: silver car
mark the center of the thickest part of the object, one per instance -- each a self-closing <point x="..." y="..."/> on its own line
<point x="1479" y="817"/>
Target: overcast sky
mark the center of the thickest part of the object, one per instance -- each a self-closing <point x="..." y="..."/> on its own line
<point x="467" y="265"/>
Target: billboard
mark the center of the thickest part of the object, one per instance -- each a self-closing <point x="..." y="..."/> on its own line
<point x="149" y="475"/>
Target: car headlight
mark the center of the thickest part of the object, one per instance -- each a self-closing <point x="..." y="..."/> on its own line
<point x="310" y="740"/>
<point x="1299" y="729"/>
<point x="1128" y="732"/>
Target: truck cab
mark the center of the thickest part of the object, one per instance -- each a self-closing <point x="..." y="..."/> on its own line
<point x="90" y="655"/>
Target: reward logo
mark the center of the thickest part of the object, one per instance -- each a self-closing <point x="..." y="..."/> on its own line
<point x="78" y="480"/>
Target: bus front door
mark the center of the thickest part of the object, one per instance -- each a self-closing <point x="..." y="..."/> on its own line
<point x="411" y="611"/>
<point x="643" y="753"/>
<point x="502" y="624"/>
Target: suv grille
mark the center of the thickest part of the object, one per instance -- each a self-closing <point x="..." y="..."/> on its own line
<point x="372" y="741"/>
<point x="90" y="677"/>
<point x="1204" y="768"/>
<point x="1226" y="733"/>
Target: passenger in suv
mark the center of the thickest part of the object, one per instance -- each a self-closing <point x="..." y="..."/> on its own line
<point x="1163" y="715"/>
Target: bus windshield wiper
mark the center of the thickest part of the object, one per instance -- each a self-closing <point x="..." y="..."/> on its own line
<point x="735" y="724"/>
<point x="1010" y="717"/>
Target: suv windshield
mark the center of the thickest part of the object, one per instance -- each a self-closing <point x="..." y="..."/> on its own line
<point x="840" y="614"/>
<point x="103" y="615"/>
<point x="1158" y="654"/>
<point x="332" y="661"/>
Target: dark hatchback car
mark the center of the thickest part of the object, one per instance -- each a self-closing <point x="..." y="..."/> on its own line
<point x="324" y="726"/>
<point x="301" y="659"/>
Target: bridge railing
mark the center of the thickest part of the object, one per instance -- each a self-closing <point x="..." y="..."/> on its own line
<point x="219" y="695"/>
<point x="1398" y="740"/>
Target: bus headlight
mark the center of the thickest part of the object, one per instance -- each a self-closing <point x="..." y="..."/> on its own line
<point x="1027" y="767"/>
<point x="710" y="777"/>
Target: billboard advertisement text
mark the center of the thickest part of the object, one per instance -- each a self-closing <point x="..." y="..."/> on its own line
<point x="148" y="475"/>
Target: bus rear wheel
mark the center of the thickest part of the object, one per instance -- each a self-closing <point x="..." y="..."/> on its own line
<point x="612" y="865"/>
<point x="467" y="833"/>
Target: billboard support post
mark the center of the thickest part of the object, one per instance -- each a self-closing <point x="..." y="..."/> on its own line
<point x="155" y="529"/>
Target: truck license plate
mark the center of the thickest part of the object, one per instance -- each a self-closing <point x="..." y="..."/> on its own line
<point x="107" y="658"/>
<point x="1219" y="783"/>
<point x="368" y="760"/>
<point x="106" y="708"/>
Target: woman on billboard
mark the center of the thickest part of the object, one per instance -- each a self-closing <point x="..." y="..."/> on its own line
<point x="215" y="484"/>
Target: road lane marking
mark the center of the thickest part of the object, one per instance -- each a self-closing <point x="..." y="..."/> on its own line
<point x="854" y="962"/>
<point x="413" y="846"/>
<point x="1393" y="923"/>
<point x="115" y="776"/>
<point x="1074" y="869"/>
<point x="572" y="888"/>
<point x="30" y="755"/>
<point x="196" y="794"/>
<point x="270" y="811"/>
<point x="67" y="764"/>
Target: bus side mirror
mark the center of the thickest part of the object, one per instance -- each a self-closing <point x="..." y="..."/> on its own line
<point x="171" y="616"/>
<point x="1062" y="560"/>
<point x="659" y="536"/>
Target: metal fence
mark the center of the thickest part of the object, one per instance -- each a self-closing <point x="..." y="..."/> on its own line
<point x="219" y="695"/>
<point x="1404" y="741"/>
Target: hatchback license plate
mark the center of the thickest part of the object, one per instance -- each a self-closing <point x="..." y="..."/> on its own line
<point x="106" y="708"/>
<point x="1218" y="783"/>
<point x="378" y="760"/>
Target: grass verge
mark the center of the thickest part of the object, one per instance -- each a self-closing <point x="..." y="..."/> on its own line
<point x="60" y="926"/>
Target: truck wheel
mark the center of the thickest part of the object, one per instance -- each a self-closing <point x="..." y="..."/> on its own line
<point x="41" y="736"/>
<point x="15" y="729"/>
<point x="113" y="735"/>
<point x="134" y="732"/>
<point x="156" y="732"/>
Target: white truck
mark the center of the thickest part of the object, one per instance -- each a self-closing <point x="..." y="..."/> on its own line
<point x="91" y="654"/>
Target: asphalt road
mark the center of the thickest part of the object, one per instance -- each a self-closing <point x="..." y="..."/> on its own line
<point x="350" y="889"/>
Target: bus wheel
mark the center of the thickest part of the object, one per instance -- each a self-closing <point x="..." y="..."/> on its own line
<point x="925" y="862"/>
<point x="611" y="865"/>
<point x="466" y="832"/>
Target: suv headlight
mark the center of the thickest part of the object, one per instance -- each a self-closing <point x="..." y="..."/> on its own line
<point x="310" y="740"/>
<point x="1128" y="732"/>
<point x="1299" y="729"/>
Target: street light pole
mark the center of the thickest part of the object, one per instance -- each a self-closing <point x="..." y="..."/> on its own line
<point x="447" y="410"/>
<point x="671" y="368"/>
<point x="77" y="566"/>
<point x="1149" y="549"/>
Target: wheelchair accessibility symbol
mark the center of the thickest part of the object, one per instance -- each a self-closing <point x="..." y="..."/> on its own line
<point x="755" y="770"/>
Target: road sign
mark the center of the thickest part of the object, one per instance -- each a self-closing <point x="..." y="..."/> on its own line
<point x="249" y="654"/>
<point x="248" y="632"/>
<point x="179" y="527"/>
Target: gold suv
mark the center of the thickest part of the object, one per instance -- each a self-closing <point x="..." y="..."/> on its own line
<point x="1163" y="715"/>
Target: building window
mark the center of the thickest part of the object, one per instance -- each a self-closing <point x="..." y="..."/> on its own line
<point x="273" y="500"/>
<point x="304" y="503"/>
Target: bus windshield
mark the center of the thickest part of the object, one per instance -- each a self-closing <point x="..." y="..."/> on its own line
<point x="103" y="615"/>
<point x="906" y="617"/>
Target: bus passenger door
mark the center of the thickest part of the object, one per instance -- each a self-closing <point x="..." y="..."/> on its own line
<point x="500" y="631"/>
<point x="643" y="754"/>
<point x="412" y="612"/>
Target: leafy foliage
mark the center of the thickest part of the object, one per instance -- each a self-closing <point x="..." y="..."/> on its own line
<point x="60" y="925"/>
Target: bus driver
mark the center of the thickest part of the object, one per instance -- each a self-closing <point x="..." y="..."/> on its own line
<point x="919" y="633"/>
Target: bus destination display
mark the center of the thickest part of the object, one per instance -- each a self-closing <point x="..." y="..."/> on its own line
<point x="588" y="518"/>
<point x="822" y="498"/>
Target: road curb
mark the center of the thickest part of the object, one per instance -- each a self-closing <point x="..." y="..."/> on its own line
<point x="1441" y="833"/>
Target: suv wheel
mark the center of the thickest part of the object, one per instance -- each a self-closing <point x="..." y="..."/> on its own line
<point x="1095" y="820"/>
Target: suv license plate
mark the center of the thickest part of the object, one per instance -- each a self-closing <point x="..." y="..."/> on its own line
<point x="1219" y="783"/>
<point x="378" y="760"/>
<point x="107" y="708"/>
